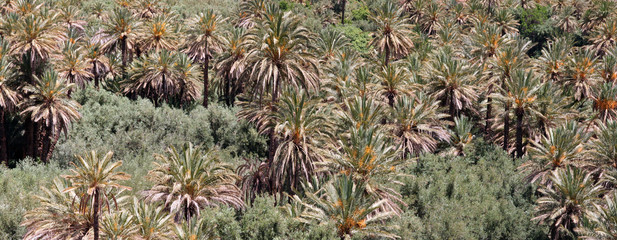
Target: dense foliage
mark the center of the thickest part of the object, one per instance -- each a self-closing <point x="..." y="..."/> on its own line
<point x="308" y="119"/>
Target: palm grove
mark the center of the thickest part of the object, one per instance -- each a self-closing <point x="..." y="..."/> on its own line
<point x="345" y="114"/>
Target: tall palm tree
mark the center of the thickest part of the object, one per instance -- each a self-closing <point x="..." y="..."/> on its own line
<point x="279" y="57"/>
<point x="204" y="39"/>
<point x="188" y="180"/>
<point x="393" y="34"/>
<point x="522" y="90"/>
<point x="73" y="66"/>
<point x="452" y="81"/>
<point x="345" y="203"/>
<point x="120" y="31"/>
<point x="394" y="82"/>
<point x="462" y="136"/>
<point x="553" y="59"/>
<point x="604" y="226"/>
<point x="158" y="33"/>
<point x="231" y="64"/>
<point x="418" y="124"/>
<point x="572" y="196"/>
<point x="582" y="74"/>
<point x="57" y="217"/>
<point x="97" y="60"/>
<point x="9" y="97"/>
<point x="251" y="12"/>
<point x="303" y="131"/>
<point x="562" y="147"/>
<point x="49" y="106"/>
<point x="96" y="179"/>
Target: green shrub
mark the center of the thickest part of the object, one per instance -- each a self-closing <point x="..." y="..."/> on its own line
<point x="359" y="39"/>
<point x="263" y="221"/>
<point x="537" y="25"/>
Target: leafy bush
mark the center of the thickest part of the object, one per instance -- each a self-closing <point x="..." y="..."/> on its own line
<point x="475" y="197"/>
<point x="359" y="39"/>
<point x="536" y="25"/>
<point x="263" y="222"/>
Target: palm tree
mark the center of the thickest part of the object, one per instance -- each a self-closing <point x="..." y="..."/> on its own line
<point x="49" y="106"/>
<point x="522" y="90"/>
<point x="605" y="37"/>
<point x="204" y="39"/>
<point x="119" y="226"/>
<point x="95" y="178"/>
<point x="231" y="64"/>
<point x="418" y="125"/>
<point x="360" y="112"/>
<point x="187" y="79"/>
<point x="194" y="230"/>
<point x="393" y="34"/>
<point x="329" y="43"/>
<point x="562" y="147"/>
<point x="345" y="203"/>
<point x="452" y="81"/>
<point x="73" y="66"/>
<point x="605" y="101"/>
<point x="461" y="136"/>
<point x="97" y="60"/>
<point x="251" y="12"/>
<point x="604" y="226"/>
<point x="71" y="17"/>
<point x="9" y="98"/>
<point x="152" y="221"/>
<point x="120" y="31"/>
<point x="189" y="180"/>
<point x="394" y="83"/>
<point x="57" y="217"/>
<point x="278" y="57"/>
<point x="608" y="68"/>
<point x="603" y="149"/>
<point x="303" y="130"/>
<point x="158" y="33"/>
<point x="572" y="196"/>
<point x="581" y="73"/>
<point x="553" y="59"/>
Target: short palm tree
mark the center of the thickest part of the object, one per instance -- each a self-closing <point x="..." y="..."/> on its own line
<point x="153" y="222"/>
<point x="605" y="36"/>
<point x="188" y="180"/>
<point x="345" y="203"/>
<point x="119" y="226"/>
<point x="204" y="39"/>
<point x="48" y="105"/>
<point x="571" y="197"/>
<point x="418" y="125"/>
<point x="605" y="101"/>
<point x="197" y="229"/>
<point x="303" y="131"/>
<point x="120" y="31"/>
<point x="553" y="59"/>
<point x="360" y="112"/>
<point x="563" y="146"/>
<point x="251" y="12"/>
<point x="330" y="42"/>
<point x="603" y="147"/>
<point x="462" y="136"/>
<point x="96" y="179"/>
<point x="57" y="217"/>
<point x="393" y="34"/>
<point x="71" y="17"/>
<point x="9" y="97"/>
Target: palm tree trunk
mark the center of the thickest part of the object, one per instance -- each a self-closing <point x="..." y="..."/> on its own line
<point x="123" y="46"/>
<point x="95" y="75"/>
<point x="206" y="63"/>
<point x="52" y="145"/>
<point x="519" y="132"/>
<point x="387" y="62"/>
<point x="95" y="215"/>
<point x="40" y="146"/>
<point x="272" y="144"/>
<point x="227" y="90"/>
<point x="506" y="127"/>
<point x="452" y="108"/>
<point x="391" y="100"/>
<point x="343" y="13"/>
<point x="489" y="109"/>
<point x="4" y="157"/>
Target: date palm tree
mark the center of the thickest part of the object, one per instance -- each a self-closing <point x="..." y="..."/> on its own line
<point x="522" y="90"/>
<point x="605" y="101"/>
<point x="605" y="37"/>
<point x="120" y="31"/>
<point x="204" y="39"/>
<point x="562" y="147"/>
<point x="604" y="225"/>
<point x="344" y="202"/>
<point x="9" y="97"/>
<point x="119" y="226"/>
<point x="158" y="33"/>
<point x="152" y="221"/>
<point x="582" y="74"/>
<point x="251" y="12"/>
<point x="393" y="33"/>
<point x="462" y="136"/>
<point x="603" y="148"/>
<point x="278" y="57"/>
<point x="96" y="179"/>
<point x="452" y="81"/>
<point x="418" y="125"/>
<point x="394" y="83"/>
<point x="96" y="59"/>
<point x="572" y="196"/>
<point x="553" y="59"/>
<point x="231" y="64"/>
<point x="188" y="180"/>
<point x="49" y="106"/>
<point x="329" y="43"/>
<point x="303" y="131"/>
<point x="57" y="217"/>
<point x="73" y="66"/>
